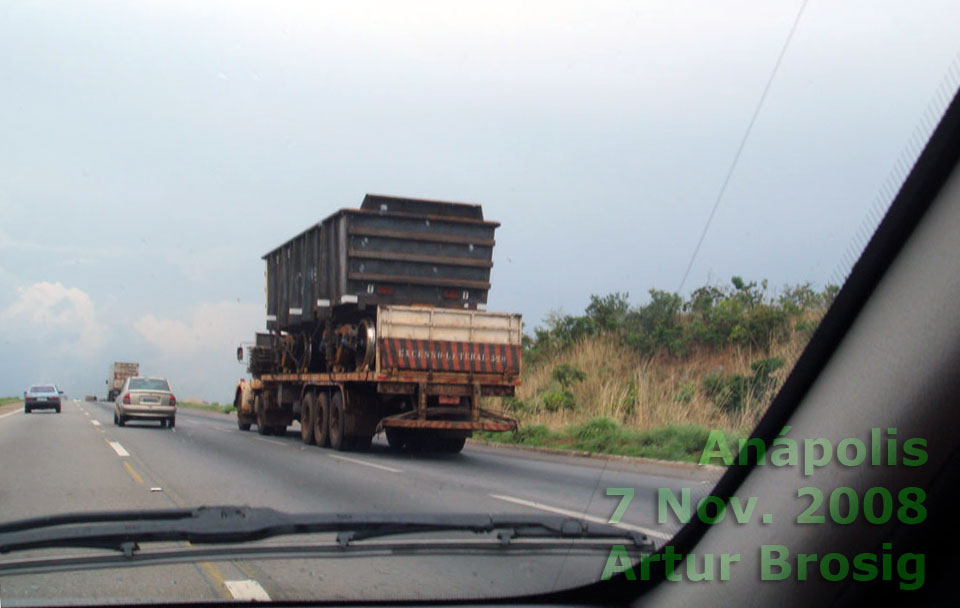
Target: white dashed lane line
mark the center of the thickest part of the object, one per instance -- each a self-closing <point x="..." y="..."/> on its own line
<point x="569" y="513"/>
<point x="366" y="464"/>
<point x="118" y="448"/>
<point x="95" y="422"/>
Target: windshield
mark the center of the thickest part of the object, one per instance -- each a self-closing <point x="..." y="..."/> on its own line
<point x="553" y="259"/>
<point x="148" y="384"/>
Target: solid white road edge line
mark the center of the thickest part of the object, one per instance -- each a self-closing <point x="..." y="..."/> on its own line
<point x="567" y="512"/>
<point x="11" y="413"/>
<point x="248" y="589"/>
<point x="369" y="464"/>
<point x="118" y="448"/>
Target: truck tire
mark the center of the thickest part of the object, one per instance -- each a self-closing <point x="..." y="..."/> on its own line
<point x="308" y="411"/>
<point x="321" y="421"/>
<point x="336" y="423"/>
<point x="243" y="426"/>
<point x="262" y="427"/>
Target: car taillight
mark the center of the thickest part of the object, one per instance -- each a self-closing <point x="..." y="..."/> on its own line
<point x="55" y="399"/>
<point x="173" y="400"/>
<point x="126" y="399"/>
<point x="31" y="398"/>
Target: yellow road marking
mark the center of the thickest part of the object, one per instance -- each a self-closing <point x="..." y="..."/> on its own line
<point x="133" y="473"/>
<point x="216" y="578"/>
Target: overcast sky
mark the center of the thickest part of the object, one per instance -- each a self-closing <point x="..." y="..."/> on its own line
<point x="151" y="152"/>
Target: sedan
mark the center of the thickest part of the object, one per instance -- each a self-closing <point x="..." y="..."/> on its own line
<point x="41" y="396"/>
<point x="145" y="399"/>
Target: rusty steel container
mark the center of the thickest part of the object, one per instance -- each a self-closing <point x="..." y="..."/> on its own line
<point x="391" y="250"/>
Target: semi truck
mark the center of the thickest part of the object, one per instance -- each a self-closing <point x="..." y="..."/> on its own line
<point x="376" y="321"/>
<point x="118" y="373"/>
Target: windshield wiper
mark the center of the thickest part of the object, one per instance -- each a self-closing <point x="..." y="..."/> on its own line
<point x="124" y="530"/>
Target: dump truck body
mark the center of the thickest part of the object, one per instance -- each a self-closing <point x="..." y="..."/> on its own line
<point x="118" y="373"/>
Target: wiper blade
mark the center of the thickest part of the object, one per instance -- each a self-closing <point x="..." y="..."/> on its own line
<point x="125" y="530"/>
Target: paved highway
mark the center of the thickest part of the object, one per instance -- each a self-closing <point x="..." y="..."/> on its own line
<point x="79" y="461"/>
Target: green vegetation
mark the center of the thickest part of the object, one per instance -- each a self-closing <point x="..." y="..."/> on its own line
<point x="210" y="407"/>
<point x="713" y="318"/>
<point x="661" y="374"/>
<point x="605" y="436"/>
<point x="8" y="400"/>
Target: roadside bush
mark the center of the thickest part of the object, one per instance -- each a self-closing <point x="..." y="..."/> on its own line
<point x="567" y="375"/>
<point x="596" y="435"/>
<point x="714" y="317"/>
<point x="559" y="400"/>
<point x="732" y="393"/>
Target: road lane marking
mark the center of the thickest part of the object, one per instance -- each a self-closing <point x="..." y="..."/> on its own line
<point x="598" y="520"/>
<point x="95" y="422"/>
<point x="10" y="413"/>
<point x="270" y="441"/>
<point x="248" y="589"/>
<point x="117" y="448"/>
<point x="365" y="463"/>
<point x="133" y="473"/>
<point x="212" y="574"/>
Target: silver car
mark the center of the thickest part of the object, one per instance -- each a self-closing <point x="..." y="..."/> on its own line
<point x="41" y="396"/>
<point x="145" y="399"/>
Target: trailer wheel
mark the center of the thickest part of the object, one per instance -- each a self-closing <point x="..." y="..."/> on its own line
<point x="308" y="411"/>
<point x="337" y="440"/>
<point x="243" y="426"/>
<point x="262" y="427"/>
<point x="321" y="421"/>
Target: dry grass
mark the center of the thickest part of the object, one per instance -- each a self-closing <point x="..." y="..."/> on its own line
<point x="646" y="392"/>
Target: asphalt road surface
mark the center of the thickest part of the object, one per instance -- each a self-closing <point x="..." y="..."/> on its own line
<point x="79" y="461"/>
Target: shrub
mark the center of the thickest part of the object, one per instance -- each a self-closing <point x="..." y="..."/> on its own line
<point x="608" y="313"/>
<point x="567" y="375"/>
<point x="732" y="393"/>
<point x="559" y="400"/>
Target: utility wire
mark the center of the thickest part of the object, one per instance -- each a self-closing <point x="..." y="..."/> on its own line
<point x="746" y="136"/>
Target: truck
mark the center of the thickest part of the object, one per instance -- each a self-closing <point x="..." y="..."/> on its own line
<point x="376" y="321"/>
<point x="118" y="373"/>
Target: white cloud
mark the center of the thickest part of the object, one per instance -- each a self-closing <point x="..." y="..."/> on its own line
<point x="213" y="326"/>
<point x="197" y="354"/>
<point x="60" y="317"/>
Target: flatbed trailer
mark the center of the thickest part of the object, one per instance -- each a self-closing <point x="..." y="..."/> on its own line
<point x="376" y="321"/>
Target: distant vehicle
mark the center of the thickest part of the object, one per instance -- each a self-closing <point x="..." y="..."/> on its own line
<point x="119" y="372"/>
<point x="90" y="398"/>
<point x="145" y="399"/>
<point x="41" y="396"/>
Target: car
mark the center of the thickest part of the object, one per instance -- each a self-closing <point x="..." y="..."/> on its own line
<point x="41" y="396"/>
<point x="145" y="399"/>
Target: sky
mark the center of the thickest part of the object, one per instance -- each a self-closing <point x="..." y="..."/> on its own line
<point x="152" y="152"/>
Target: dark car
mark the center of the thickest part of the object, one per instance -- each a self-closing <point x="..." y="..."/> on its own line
<point x="41" y="396"/>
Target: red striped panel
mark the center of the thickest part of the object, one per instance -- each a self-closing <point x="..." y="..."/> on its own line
<point x="441" y="355"/>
